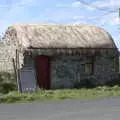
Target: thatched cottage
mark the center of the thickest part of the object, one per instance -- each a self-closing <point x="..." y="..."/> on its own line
<point x="62" y="56"/>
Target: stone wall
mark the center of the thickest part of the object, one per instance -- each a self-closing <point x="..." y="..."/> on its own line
<point x="65" y="71"/>
<point x="106" y="67"/>
<point x="68" y="70"/>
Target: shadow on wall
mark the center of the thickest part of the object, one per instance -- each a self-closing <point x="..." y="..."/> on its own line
<point x="88" y="83"/>
<point x="113" y="82"/>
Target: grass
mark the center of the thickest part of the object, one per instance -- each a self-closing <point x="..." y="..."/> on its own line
<point x="55" y="95"/>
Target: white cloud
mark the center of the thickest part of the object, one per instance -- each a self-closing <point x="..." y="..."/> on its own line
<point x="78" y="17"/>
<point x="107" y="3"/>
<point x="79" y="4"/>
<point x="76" y="4"/>
<point x="110" y="4"/>
<point x="63" y="5"/>
<point x="79" y="22"/>
<point x="109" y="20"/>
<point x="115" y="21"/>
<point x="17" y="4"/>
<point x="90" y="8"/>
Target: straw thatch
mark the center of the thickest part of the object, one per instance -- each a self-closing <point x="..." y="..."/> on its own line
<point x="61" y="36"/>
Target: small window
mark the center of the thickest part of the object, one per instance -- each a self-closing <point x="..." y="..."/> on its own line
<point x="89" y="68"/>
<point x="88" y="65"/>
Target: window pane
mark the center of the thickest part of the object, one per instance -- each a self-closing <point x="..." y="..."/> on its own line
<point x="88" y="68"/>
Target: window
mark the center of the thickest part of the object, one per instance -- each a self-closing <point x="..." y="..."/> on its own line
<point x="88" y="68"/>
<point x="88" y="65"/>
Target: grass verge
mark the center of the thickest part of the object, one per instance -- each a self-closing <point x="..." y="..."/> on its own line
<point x="55" y="95"/>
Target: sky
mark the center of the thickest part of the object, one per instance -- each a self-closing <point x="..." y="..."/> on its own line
<point x="103" y="13"/>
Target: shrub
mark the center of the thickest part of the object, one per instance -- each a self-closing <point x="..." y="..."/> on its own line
<point x="7" y="82"/>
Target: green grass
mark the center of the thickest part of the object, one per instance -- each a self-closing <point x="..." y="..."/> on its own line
<point x="55" y="95"/>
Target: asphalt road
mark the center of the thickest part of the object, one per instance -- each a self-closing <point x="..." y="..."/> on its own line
<point x="99" y="109"/>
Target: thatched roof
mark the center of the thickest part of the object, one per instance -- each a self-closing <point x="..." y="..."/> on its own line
<point x="60" y="36"/>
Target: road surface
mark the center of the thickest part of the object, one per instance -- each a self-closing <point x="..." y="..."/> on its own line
<point x="97" y="109"/>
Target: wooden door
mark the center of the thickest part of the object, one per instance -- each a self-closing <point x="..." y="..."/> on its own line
<point x="43" y="71"/>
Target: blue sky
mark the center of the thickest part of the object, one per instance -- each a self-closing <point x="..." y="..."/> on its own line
<point x="62" y="12"/>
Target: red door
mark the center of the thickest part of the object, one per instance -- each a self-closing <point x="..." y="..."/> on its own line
<point x="43" y="71"/>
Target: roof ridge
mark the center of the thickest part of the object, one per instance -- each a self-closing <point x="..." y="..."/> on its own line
<point x="52" y="24"/>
